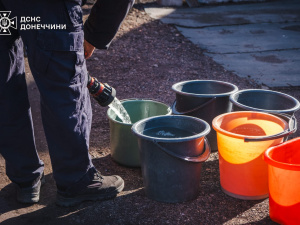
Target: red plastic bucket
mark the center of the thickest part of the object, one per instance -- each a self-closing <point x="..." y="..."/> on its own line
<point x="284" y="182"/>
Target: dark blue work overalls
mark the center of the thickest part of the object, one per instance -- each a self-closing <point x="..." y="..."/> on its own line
<point x="56" y="59"/>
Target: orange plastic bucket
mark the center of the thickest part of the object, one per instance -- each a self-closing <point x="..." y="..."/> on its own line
<point x="242" y="139"/>
<point x="284" y="182"/>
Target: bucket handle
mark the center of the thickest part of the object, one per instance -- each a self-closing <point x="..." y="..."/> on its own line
<point x="174" y="111"/>
<point x="195" y="159"/>
<point x="292" y="129"/>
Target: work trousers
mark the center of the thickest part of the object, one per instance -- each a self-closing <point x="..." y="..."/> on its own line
<point x="56" y="60"/>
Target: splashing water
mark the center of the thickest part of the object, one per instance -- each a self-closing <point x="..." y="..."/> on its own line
<point x="119" y="109"/>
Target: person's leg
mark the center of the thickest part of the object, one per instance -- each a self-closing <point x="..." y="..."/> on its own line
<point x="56" y="59"/>
<point x="57" y="63"/>
<point x="17" y="145"/>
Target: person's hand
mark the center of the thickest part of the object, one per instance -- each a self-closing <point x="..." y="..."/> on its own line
<point x="88" y="49"/>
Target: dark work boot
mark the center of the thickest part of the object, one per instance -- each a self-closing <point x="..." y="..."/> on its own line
<point x="30" y="195"/>
<point x="100" y="188"/>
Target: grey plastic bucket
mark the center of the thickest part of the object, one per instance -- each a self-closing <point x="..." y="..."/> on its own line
<point x="274" y="102"/>
<point x="204" y="99"/>
<point x="123" y="144"/>
<point x="171" y="166"/>
<point x="264" y="101"/>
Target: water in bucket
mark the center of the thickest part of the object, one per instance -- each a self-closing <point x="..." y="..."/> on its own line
<point x="168" y="132"/>
<point x="119" y="109"/>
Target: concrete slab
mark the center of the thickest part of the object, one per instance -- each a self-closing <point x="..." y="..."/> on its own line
<point x="273" y="68"/>
<point x="268" y="12"/>
<point x="245" y="38"/>
<point x="260" y="40"/>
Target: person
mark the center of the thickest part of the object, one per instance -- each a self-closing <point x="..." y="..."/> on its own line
<point x="57" y="61"/>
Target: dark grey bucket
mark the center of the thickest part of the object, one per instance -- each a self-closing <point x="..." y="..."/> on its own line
<point x="274" y="102"/>
<point x="204" y="99"/>
<point x="264" y="101"/>
<point x="171" y="166"/>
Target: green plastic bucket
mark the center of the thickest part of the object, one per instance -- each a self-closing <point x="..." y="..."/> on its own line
<point x="123" y="143"/>
<point x="172" y="150"/>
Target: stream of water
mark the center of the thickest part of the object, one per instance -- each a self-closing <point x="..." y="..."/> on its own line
<point x="119" y="109"/>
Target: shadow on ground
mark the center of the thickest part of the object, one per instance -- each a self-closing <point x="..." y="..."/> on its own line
<point x="212" y="206"/>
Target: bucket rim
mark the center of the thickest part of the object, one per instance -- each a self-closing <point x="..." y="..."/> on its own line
<point x="240" y="136"/>
<point x="235" y="88"/>
<point x="235" y="102"/>
<point x="169" y="140"/>
<point x="137" y="100"/>
<point x="287" y="166"/>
